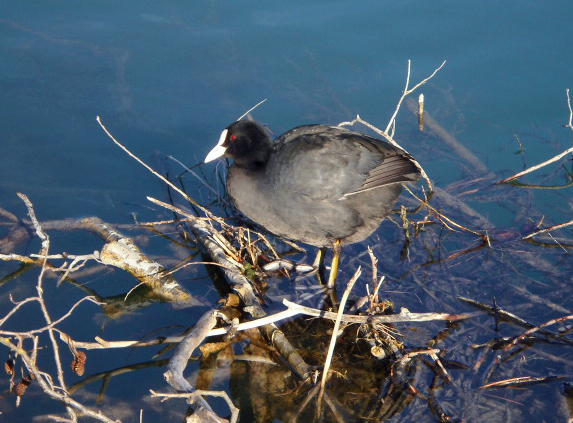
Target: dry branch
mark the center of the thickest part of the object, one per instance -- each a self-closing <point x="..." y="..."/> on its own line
<point x="404" y="316"/>
<point x="53" y="392"/>
<point x="546" y="230"/>
<point x="242" y="286"/>
<point x="293" y="310"/>
<point x="120" y="251"/>
<point x="59" y="391"/>
<point x="203" y="417"/>
<point x="174" y="374"/>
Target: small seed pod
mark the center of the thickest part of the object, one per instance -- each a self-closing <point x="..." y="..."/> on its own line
<point x="79" y="363"/>
<point x="20" y="388"/>
<point x="9" y="366"/>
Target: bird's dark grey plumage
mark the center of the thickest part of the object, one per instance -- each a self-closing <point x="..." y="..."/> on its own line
<point x="315" y="183"/>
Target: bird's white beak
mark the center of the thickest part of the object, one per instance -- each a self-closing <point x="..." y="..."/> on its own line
<point x="218" y="150"/>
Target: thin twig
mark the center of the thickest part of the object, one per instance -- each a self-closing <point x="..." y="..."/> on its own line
<point x="56" y="394"/>
<point x="53" y="323"/>
<point x="533" y="168"/>
<point x="551" y="228"/>
<point x="293" y="310"/>
<point x="41" y="234"/>
<point x="569" y="124"/>
<point x="39" y="288"/>
<point x="407" y="92"/>
<point x="251" y="109"/>
<point x="443" y="218"/>
<point x="141" y="162"/>
<point x="219" y="394"/>
<point x="328" y="359"/>
<point x="554" y="159"/>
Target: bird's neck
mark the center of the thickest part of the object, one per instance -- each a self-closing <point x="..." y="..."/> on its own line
<point x="256" y="160"/>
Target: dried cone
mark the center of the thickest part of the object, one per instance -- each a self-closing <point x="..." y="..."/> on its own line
<point x="20" y="389"/>
<point x="79" y="363"/>
<point x="9" y="367"/>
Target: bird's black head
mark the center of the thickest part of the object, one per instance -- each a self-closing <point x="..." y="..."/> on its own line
<point x="246" y="142"/>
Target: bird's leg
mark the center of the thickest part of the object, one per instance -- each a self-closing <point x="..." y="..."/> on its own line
<point x="336" y="250"/>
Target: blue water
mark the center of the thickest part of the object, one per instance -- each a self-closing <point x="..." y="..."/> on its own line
<point x="166" y="77"/>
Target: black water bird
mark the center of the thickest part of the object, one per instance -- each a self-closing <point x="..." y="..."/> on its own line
<point x="321" y="185"/>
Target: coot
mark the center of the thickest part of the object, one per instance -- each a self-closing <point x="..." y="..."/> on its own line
<point x="316" y="184"/>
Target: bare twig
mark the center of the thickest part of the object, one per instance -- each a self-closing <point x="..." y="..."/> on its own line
<point x="171" y="185"/>
<point x="391" y="140"/>
<point x="293" y="310"/>
<point x="252" y="108"/>
<point x="50" y="390"/>
<point x="551" y="228"/>
<point x="554" y="159"/>
<point x="328" y="359"/>
<point x="49" y="326"/>
<point x="44" y="250"/>
<point x="37" y="227"/>
<point x="407" y="91"/>
<point x="569" y="124"/>
<point x="404" y="316"/>
<point x="538" y="328"/>
<point x="518" y="382"/>
<point x="538" y="166"/>
<point x="219" y="394"/>
<point x="445" y="219"/>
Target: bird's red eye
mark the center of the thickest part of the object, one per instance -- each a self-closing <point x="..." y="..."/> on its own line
<point x="233" y="137"/>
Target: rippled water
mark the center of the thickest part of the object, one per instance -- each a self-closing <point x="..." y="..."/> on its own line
<point x="166" y="77"/>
